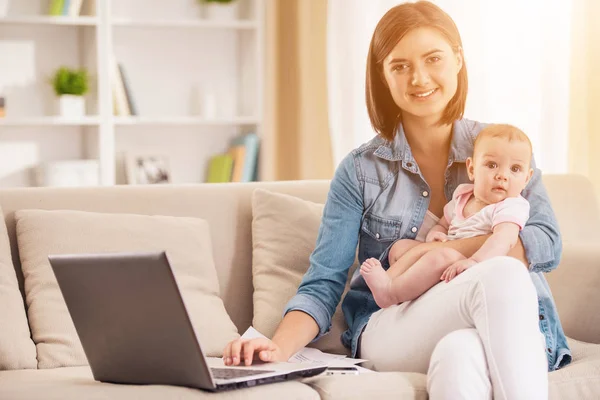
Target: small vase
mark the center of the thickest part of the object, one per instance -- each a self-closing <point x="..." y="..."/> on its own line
<point x="4" y="4"/>
<point x="71" y="106"/>
<point x="221" y="12"/>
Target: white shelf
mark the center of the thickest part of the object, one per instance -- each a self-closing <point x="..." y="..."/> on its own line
<point x="49" y="121"/>
<point x="173" y="59"/>
<point x="184" y="121"/>
<point x="192" y="23"/>
<point x="50" y="20"/>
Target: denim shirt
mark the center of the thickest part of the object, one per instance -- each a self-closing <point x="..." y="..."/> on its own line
<point x="377" y="196"/>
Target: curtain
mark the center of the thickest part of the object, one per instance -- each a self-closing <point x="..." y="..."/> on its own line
<point x="518" y="59"/>
<point x="584" y="138"/>
<point x="296" y="143"/>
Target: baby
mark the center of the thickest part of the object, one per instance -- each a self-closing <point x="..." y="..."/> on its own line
<point x="500" y="169"/>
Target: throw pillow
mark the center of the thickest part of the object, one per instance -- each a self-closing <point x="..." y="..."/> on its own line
<point x="186" y="241"/>
<point x="17" y="350"/>
<point x="284" y="234"/>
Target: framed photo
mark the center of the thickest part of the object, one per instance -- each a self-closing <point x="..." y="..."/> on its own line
<point x="147" y="169"/>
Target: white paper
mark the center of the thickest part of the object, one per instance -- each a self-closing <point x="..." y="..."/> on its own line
<point x="308" y="354"/>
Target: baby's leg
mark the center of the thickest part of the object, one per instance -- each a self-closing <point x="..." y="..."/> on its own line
<point x="406" y="250"/>
<point x="424" y="274"/>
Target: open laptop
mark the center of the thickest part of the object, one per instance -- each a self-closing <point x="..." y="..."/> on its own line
<point x="134" y="327"/>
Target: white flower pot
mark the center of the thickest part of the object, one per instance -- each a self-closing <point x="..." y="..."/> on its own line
<point x="221" y="12"/>
<point x="71" y="106"/>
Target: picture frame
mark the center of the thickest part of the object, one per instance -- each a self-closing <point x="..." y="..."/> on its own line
<point x="147" y="169"/>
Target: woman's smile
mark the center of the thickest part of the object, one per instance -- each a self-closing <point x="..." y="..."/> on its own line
<point x="423" y="95"/>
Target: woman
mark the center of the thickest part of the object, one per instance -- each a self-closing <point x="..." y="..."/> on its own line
<point x="475" y="336"/>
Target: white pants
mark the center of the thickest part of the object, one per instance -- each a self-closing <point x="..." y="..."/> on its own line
<point x="475" y="336"/>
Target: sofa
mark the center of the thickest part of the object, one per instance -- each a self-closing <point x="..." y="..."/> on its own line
<point x="241" y="230"/>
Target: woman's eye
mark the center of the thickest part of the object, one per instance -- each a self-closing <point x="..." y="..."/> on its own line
<point x="434" y="59"/>
<point x="399" y="67"/>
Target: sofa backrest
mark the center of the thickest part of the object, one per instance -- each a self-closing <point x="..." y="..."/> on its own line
<point x="227" y="208"/>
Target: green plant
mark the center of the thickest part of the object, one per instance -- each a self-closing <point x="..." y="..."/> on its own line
<point x="70" y="81"/>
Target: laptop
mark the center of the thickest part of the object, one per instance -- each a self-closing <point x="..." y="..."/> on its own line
<point x="134" y="327"/>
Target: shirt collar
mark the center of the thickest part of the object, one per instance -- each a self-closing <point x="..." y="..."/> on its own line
<point x="461" y="146"/>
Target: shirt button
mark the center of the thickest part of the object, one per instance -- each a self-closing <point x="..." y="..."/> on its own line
<point x="377" y="235"/>
<point x="409" y="164"/>
<point x="425" y="193"/>
<point x="549" y="350"/>
<point x="414" y="229"/>
<point x="541" y="317"/>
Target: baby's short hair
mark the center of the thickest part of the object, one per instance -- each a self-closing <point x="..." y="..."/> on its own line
<point x="503" y="131"/>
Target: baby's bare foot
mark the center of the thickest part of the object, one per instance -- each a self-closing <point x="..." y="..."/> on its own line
<point x="378" y="281"/>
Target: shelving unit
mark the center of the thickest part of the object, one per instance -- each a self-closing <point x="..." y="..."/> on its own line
<point x="172" y="56"/>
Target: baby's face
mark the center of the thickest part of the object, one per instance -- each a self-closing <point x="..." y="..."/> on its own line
<point x="500" y="169"/>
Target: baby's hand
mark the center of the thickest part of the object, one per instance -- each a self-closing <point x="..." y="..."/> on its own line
<point x="436" y="236"/>
<point x="457" y="268"/>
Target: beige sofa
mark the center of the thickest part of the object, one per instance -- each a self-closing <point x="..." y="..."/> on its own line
<point x="228" y="210"/>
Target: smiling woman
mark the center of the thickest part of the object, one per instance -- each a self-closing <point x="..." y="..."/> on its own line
<point x="486" y="340"/>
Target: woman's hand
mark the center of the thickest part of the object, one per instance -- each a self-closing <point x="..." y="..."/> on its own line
<point x="248" y="350"/>
<point x="457" y="268"/>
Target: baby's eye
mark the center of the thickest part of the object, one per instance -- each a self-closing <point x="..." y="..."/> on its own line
<point x="516" y="168"/>
<point x="492" y="165"/>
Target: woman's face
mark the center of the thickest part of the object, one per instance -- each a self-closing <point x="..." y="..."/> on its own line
<point x="421" y="73"/>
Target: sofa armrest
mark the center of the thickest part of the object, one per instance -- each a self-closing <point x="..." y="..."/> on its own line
<point x="575" y="285"/>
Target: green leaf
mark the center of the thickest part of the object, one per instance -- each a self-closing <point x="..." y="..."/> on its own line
<point x="70" y="81"/>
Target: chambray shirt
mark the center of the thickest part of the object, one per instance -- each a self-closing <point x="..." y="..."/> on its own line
<point x="377" y="196"/>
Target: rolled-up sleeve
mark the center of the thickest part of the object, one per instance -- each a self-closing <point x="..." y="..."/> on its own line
<point x="541" y="236"/>
<point x="323" y="284"/>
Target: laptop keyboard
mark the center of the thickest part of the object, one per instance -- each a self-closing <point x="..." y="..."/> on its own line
<point x="231" y="373"/>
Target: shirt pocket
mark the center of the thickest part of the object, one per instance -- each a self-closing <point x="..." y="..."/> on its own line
<point x="376" y="235"/>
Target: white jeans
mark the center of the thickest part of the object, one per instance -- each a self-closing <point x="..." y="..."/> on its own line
<point x="475" y="336"/>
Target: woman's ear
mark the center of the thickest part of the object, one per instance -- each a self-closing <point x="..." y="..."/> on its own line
<point x="470" y="169"/>
<point x="459" y="58"/>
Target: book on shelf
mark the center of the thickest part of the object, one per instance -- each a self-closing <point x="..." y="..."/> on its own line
<point x="243" y="158"/>
<point x="123" y="102"/>
<point x="237" y="153"/>
<point x="56" y="7"/>
<point x="219" y="168"/>
<point x="65" y="8"/>
<point x="249" y="161"/>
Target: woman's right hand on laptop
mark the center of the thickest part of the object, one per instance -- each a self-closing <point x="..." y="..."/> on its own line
<point x="248" y="350"/>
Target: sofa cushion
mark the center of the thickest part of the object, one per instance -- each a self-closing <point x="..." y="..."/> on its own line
<point x="284" y="234"/>
<point x="581" y="378"/>
<point x="186" y="241"/>
<point x="378" y="385"/>
<point x="17" y="350"/>
<point x="574" y="284"/>
<point x="77" y="383"/>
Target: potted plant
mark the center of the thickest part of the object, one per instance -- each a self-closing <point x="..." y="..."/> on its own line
<point x="70" y="85"/>
<point x="221" y="10"/>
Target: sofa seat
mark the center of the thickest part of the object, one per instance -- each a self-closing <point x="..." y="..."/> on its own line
<point x="75" y="383"/>
<point x="382" y="385"/>
<point x="580" y="379"/>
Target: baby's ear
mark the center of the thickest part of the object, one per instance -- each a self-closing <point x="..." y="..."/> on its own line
<point x="470" y="169"/>
<point x="529" y="176"/>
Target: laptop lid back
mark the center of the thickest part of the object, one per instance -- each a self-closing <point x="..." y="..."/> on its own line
<point x="131" y="319"/>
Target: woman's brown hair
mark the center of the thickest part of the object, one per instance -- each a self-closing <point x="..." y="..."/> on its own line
<point x="397" y="22"/>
